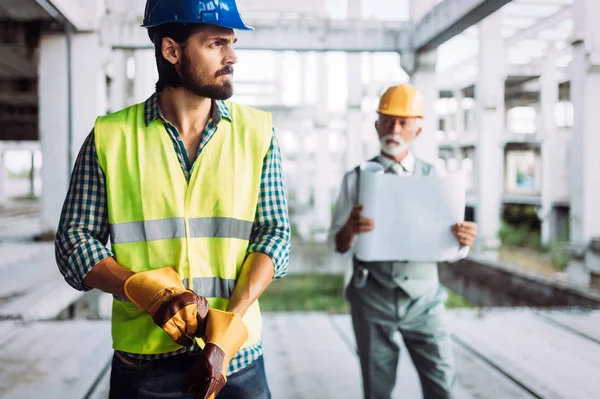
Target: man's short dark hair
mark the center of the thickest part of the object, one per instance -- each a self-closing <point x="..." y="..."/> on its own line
<point x="167" y="74"/>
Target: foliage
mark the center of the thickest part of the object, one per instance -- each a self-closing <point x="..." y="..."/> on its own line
<point x="319" y="292"/>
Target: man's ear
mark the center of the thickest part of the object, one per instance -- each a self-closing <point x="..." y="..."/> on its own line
<point x="171" y="50"/>
<point x="419" y="130"/>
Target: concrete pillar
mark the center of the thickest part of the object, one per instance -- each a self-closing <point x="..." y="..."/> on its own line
<point x="32" y="175"/>
<point x="459" y="116"/>
<point x="303" y="162"/>
<point x="321" y="183"/>
<point x="354" y="146"/>
<point x="459" y="125"/>
<point x="87" y="74"/>
<point x="373" y="146"/>
<point x="423" y="77"/>
<point x="2" y="174"/>
<point x="146" y="75"/>
<point x="548" y="101"/>
<point x="118" y="86"/>
<point x="585" y="86"/>
<point x="489" y="95"/>
<point x="426" y="146"/>
<point x="280" y="77"/>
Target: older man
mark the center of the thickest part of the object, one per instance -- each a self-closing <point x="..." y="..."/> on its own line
<point x="396" y="295"/>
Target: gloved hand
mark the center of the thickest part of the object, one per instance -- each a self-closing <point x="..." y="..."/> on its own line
<point x="177" y="310"/>
<point x="225" y="335"/>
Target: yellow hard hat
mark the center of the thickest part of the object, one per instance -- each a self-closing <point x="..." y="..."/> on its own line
<point x="403" y="100"/>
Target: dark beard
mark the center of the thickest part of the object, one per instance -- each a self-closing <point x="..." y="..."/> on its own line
<point x="193" y="84"/>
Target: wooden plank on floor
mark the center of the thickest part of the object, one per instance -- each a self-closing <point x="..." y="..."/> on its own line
<point x="548" y="360"/>
<point x="582" y="321"/>
<point x="474" y="378"/>
<point x="54" y="359"/>
<point x="305" y="357"/>
<point x="33" y="288"/>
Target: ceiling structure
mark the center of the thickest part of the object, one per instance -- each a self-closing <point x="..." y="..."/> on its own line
<point x="533" y="30"/>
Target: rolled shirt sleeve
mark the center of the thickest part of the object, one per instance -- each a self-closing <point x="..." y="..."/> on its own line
<point x="271" y="230"/>
<point x="83" y="229"/>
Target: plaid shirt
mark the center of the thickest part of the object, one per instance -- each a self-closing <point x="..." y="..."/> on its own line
<point x="84" y="229"/>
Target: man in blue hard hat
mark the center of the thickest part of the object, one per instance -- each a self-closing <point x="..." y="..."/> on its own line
<point x="189" y="188"/>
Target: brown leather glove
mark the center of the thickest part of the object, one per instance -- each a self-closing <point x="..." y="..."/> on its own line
<point x="225" y="335"/>
<point x="177" y="310"/>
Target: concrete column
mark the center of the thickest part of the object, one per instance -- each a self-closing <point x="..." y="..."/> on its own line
<point x="548" y="101"/>
<point x="459" y="125"/>
<point x="491" y="120"/>
<point x="280" y="77"/>
<point x="423" y="77"/>
<point x="2" y="174"/>
<point x="426" y="146"/>
<point x="320" y="179"/>
<point x="354" y="147"/>
<point x="303" y="175"/>
<point x="146" y="75"/>
<point x="32" y="175"/>
<point x="87" y="61"/>
<point x="459" y="117"/>
<point x="369" y="134"/>
<point x="585" y="86"/>
<point x="322" y="183"/>
<point x="118" y="86"/>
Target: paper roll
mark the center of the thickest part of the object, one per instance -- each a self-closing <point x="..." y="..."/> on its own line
<point x="371" y="167"/>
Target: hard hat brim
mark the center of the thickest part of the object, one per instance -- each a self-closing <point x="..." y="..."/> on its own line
<point x="230" y="26"/>
<point x="407" y="115"/>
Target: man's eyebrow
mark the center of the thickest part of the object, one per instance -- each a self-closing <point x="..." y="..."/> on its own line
<point x="223" y="38"/>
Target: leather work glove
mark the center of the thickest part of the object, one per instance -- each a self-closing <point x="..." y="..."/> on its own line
<point x="177" y="310"/>
<point x="225" y="335"/>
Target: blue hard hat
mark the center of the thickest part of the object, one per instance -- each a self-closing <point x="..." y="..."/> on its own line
<point x="215" y="12"/>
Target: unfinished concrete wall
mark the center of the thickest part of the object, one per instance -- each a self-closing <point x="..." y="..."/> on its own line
<point x="488" y="283"/>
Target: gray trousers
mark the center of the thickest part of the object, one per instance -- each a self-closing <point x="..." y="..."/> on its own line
<point x="377" y="314"/>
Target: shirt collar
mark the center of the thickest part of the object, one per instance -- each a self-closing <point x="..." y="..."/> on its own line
<point x="152" y="110"/>
<point x="408" y="163"/>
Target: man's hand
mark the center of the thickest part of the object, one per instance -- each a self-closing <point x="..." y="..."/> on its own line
<point x="177" y="310"/>
<point x="465" y="233"/>
<point x="356" y="224"/>
<point x="225" y="335"/>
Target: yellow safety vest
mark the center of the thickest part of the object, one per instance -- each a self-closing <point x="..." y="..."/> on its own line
<point x="158" y="219"/>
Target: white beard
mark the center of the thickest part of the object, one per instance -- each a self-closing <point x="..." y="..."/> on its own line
<point x="397" y="147"/>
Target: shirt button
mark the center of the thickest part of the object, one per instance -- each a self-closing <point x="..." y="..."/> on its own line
<point x="405" y="278"/>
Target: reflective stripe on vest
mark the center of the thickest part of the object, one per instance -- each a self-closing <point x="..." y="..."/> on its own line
<point x="165" y="229"/>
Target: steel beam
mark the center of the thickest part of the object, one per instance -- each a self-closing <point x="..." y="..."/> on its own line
<point x="295" y="35"/>
<point x="449" y="18"/>
<point x="524" y="34"/>
<point x="543" y="24"/>
<point x="51" y="10"/>
<point x="82" y="17"/>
